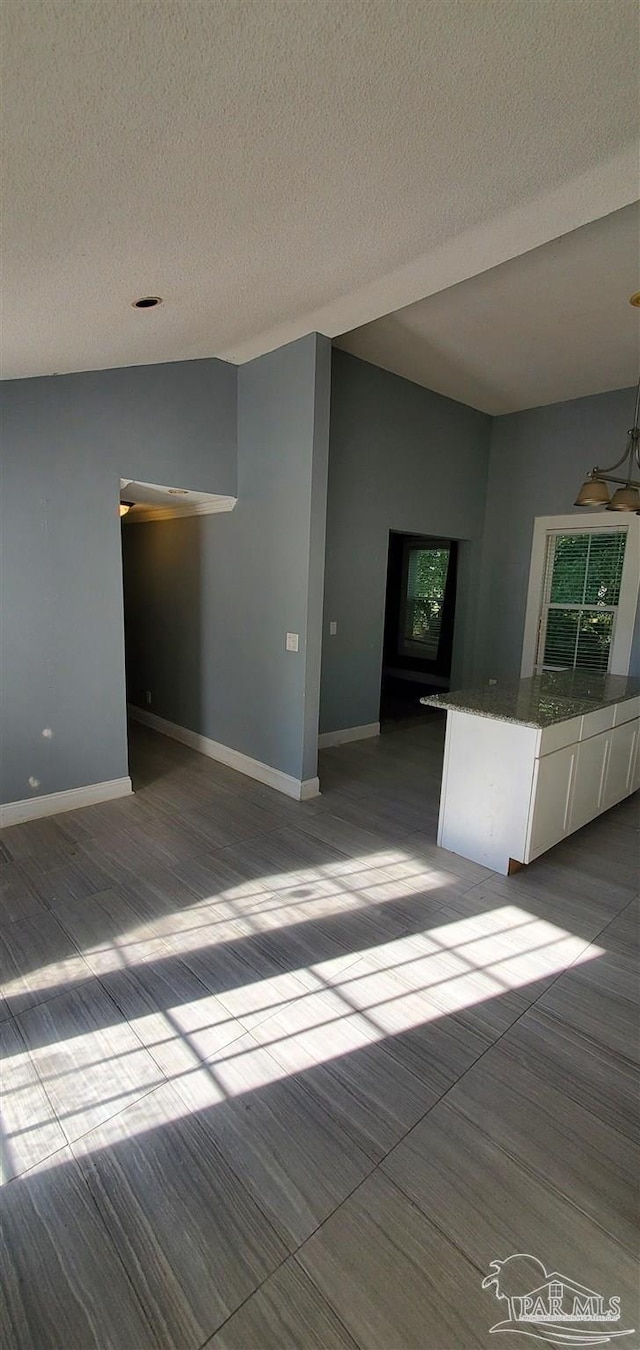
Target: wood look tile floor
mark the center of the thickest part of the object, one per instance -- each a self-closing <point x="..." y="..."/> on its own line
<point x="283" y="1076"/>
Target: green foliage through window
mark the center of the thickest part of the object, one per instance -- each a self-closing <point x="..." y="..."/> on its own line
<point x="587" y="568"/>
<point x="581" y="593"/>
<point x="426" y="583"/>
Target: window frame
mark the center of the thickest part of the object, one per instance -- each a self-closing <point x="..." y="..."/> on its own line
<point x="408" y="647"/>
<point x="598" y="523"/>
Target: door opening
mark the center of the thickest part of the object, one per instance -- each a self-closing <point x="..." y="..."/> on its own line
<point x="162" y="603"/>
<point x="419" y="619"/>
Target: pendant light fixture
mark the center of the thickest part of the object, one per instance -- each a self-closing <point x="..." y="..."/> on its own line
<point x="594" y="490"/>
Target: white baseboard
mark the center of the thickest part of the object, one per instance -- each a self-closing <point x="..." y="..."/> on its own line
<point x="34" y="808"/>
<point x="347" y="734"/>
<point x="300" y="789"/>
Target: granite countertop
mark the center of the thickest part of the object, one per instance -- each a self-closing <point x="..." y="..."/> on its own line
<point x="541" y="700"/>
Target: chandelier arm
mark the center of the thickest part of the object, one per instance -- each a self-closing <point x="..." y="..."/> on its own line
<point x="602" y="473"/>
<point x="632" y="448"/>
<point x="625" y="482"/>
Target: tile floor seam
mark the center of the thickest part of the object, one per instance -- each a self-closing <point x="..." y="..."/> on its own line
<point x="39" y="1166"/>
<point x="487" y="1050"/>
<point x="106" y="1120"/>
<point x="82" y="950"/>
<point x="43" y="1089"/>
<point x="202" y="1063"/>
<point x="265" y="834"/>
<point x="271" y="1222"/>
<point x="376" y="1166"/>
<point x="42" y="1082"/>
<point x="526" y="1168"/>
<point x="451" y="1242"/>
<point x="487" y="882"/>
<point x="291" y="1256"/>
<point x="327" y="1300"/>
<point x="59" y="993"/>
<point x="211" y="1334"/>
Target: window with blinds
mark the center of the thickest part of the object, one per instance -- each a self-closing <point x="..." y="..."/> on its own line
<point x="423" y="601"/>
<point x="580" y="595"/>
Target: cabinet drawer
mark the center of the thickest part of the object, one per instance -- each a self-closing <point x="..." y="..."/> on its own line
<point x="595" y="722"/>
<point x="627" y="711"/>
<point x="560" y="734"/>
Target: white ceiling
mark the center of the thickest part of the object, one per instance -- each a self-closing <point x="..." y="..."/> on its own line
<point x="274" y="166"/>
<point x="551" y="325"/>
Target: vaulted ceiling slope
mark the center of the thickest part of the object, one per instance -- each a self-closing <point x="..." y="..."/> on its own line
<point x="553" y="324"/>
<point x="270" y="167"/>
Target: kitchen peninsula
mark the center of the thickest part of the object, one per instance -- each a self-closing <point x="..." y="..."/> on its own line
<point x="529" y="761"/>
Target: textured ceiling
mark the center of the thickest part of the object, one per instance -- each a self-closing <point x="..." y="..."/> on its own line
<point x="553" y="324"/>
<point x="273" y="166"/>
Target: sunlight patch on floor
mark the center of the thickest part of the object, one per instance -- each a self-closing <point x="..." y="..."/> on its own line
<point x="165" y="1064"/>
<point x="241" y="911"/>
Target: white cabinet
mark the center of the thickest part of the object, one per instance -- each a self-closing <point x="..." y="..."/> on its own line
<point x="635" y="767"/>
<point x="573" y="785"/>
<point x="551" y="800"/>
<point x="510" y="792"/>
<point x="621" y="763"/>
<point x="593" y="760"/>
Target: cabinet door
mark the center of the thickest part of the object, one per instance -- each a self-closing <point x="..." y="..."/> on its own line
<point x="588" y="787"/>
<point x="551" y="800"/>
<point x="620" y="768"/>
<point x="635" y="767"/>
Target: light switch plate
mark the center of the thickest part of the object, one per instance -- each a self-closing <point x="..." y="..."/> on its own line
<point x="333" y="628"/>
<point x="292" y="642"/>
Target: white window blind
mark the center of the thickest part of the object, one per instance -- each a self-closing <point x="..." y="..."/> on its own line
<point x="580" y="595"/>
<point x="424" y="600"/>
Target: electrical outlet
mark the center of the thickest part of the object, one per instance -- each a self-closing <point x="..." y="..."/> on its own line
<point x="333" y="628"/>
<point x="291" y="644"/>
<point x="147" y="697"/>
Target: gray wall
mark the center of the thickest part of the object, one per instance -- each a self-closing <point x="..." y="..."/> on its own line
<point x="539" y="458"/>
<point x="210" y="600"/>
<point x="66" y="441"/>
<point x="401" y="458"/>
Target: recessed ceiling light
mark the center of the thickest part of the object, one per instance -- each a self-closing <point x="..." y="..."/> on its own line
<point x="635" y="299"/>
<point x="147" y="302"/>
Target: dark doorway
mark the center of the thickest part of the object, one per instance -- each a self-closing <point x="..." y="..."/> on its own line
<point x="419" y="617"/>
<point x="162" y="588"/>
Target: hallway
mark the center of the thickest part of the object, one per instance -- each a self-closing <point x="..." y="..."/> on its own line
<point x="286" y="1076"/>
